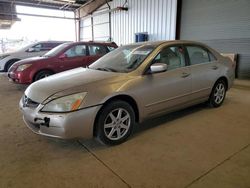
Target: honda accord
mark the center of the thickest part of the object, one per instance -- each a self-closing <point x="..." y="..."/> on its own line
<point x="127" y="86"/>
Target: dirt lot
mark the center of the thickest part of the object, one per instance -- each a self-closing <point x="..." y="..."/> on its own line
<point x="195" y="147"/>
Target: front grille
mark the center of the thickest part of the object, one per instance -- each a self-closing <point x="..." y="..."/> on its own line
<point x="27" y="102"/>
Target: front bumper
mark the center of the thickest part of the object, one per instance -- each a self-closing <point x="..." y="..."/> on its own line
<point x="2" y="64"/>
<point x="77" y="124"/>
<point x="19" y="77"/>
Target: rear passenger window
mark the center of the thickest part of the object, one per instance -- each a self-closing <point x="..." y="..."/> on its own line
<point x="45" y="47"/>
<point x="97" y="50"/>
<point x="197" y="55"/>
<point x="172" y="56"/>
<point x="49" y="46"/>
<point x="211" y="57"/>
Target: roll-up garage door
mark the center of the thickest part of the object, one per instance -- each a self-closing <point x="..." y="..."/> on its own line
<point x="96" y="28"/>
<point x="223" y="25"/>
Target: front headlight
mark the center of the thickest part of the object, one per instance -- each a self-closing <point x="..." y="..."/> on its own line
<point x="23" y="67"/>
<point x="3" y="56"/>
<point x="65" y="104"/>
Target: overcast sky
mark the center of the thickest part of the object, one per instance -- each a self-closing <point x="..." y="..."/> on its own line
<point x="38" y="28"/>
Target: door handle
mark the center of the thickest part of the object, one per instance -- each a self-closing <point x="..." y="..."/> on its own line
<point x="185" y="74"/>
<point x="214" y="67"/>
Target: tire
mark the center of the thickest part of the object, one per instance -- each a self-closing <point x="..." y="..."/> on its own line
<point x="218" y="94"/>
<point x="9" y="64"/>
<point x="115" y="122"/>
<point x="42" y="74"/>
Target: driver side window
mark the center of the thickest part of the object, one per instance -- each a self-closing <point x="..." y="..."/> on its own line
<point x="76" y="51"/>
<point x="36" y="48"/>
<point x="172" y="56"/>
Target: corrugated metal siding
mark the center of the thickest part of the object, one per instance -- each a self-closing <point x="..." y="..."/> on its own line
<point x="156" y="17"/>
<point x="223" y="25"/>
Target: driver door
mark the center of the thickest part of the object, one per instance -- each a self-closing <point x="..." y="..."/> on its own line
<point x="74" y="57"/>
<point x="34" y="51"/>
<point x="169" y="90"/>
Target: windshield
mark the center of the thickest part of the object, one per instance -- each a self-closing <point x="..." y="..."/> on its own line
<point x="124" y="59"/>
<point x="56" y="50"/>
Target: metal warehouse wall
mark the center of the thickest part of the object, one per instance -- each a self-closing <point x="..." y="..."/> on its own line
<point x="156" y="17"/>
<point x="223" y="25"/>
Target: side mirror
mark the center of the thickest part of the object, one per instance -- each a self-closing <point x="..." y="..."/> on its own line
<point x="63" y="56"/>
<point x="158" y="67"/>
<point x="34" y="50"/>
<point x="31" y="50"/>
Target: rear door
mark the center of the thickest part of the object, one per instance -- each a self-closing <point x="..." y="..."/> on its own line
<point x="75" y="56"/>
<point x="204" y="69"/>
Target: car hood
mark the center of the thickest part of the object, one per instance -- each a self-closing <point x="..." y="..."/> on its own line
<point x="5" y="54"/>
<point x="30" y="60"/>
<point x="68" y="80"/>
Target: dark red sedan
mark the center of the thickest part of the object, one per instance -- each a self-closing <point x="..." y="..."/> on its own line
<point x="61" y="58"/>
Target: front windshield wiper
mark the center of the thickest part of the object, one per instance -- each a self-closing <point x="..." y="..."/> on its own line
<point x="106" y="69"/>
<point x="102" y="69"/>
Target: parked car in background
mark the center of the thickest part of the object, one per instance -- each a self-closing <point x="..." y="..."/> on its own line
<point x="32" y="50"/>
<point x="64" y="57"/>
<point x="128" y="85"/>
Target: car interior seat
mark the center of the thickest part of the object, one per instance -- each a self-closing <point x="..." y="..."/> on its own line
<point x="170" y="58"/>
<point x="197" y="57"/>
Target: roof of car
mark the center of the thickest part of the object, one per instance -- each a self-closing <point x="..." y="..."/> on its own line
<point x="51" y="41"/>
<point x="94" y="42"/>
<point x="157" y="43"/>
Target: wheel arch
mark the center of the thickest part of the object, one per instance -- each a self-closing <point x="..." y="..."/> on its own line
<point x="10" y="61"/>
<point x="224" y="78"/>
<point x="211" y="101"/>
<point x="123" y="97"/>
<point x="38" y="71"/>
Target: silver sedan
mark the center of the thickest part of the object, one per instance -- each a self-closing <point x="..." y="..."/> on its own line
<point x="131" y="84"/>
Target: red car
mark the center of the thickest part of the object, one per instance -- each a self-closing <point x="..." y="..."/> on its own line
<point x="61" y="58"/>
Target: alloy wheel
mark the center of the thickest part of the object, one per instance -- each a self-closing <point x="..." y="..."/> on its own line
<point x="117" y="124"/>
<point x="219" y="93"/>
<point x="44" y="75"/>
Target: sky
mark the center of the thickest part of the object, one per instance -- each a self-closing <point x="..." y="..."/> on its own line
<point x="38" y="28"/>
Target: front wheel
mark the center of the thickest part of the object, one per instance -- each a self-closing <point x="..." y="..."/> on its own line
<point x="42" y="74"/>
<point x="9" y="64"/>
<point x="115" y="122"/>
<point x="218" y="94"/>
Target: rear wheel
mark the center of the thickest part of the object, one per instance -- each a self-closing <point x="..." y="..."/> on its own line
<point x="218" y="94"/>
<point x="115" y="122"/>
<point x="42" y="74"/>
